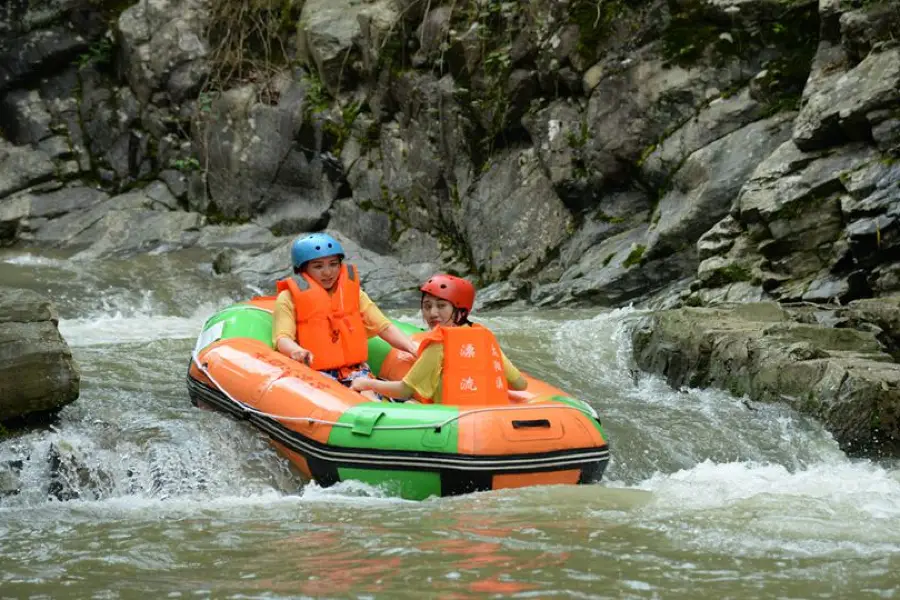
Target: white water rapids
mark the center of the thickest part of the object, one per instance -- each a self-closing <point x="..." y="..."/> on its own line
<point x="135" y="493"/>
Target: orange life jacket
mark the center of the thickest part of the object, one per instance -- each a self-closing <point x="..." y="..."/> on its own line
<point x="329" y="325"/>
<point x="473" y="365"/>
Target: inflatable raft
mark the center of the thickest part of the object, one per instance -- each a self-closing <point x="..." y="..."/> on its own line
<point x="331" y="433"/>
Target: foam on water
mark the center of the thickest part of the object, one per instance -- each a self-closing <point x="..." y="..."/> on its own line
<point x="116" y="321"/>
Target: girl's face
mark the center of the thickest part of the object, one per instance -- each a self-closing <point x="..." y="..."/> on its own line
<point x="436" y="311"/>
<point x="324" y="271"/>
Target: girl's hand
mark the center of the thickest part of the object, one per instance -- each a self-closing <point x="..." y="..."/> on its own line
<point x="361" y="384"/>
<point x="302" y="355"/>
<point x="406" y="356"/>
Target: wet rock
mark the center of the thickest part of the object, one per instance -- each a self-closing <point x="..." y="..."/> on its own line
<point x="240" y="237"/>
<point x="133" y="230"/>
<point x="611" y="273"/>
<point x="501" y="294"/>
<point x="37" y="373"/>
<point x="844" y="377"/>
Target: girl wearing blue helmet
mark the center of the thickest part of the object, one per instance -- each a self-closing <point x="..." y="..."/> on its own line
<point x="322" y="316"/>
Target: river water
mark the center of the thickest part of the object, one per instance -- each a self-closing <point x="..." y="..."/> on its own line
<point x="134" y="493"/>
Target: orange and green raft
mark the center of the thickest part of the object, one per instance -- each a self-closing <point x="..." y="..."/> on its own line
<point x="331" y="433"/>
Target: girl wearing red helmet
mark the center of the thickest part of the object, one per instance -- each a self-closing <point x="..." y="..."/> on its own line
<point x="459" y="362"/>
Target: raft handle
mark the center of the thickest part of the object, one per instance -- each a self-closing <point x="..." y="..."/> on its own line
<point x="531" y="424"/>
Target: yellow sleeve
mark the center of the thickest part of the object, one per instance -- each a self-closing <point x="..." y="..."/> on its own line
<point x="511" y="372"/>
<point x="284" y="323"/>
<point x="425" y="375"/>
<point x="373" y="318"/>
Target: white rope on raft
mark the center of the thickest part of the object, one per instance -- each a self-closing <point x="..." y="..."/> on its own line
<point x="312" y="420"/>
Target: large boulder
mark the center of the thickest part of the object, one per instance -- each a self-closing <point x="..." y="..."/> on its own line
<point x="254" y="166"/>
<point x="37" y="373"/>
<point x="164" y="46"/>
<point x="340" y="39"/>
<point x="835" y="366"/>
<point x="513" y="220"/>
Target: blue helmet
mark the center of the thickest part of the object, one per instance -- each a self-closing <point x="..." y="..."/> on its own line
<point x="314" y="245"/>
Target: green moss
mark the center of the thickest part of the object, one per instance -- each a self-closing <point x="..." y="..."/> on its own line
<point x="733" y="273"/>
<point x="217" y="217"/>
<point x="634" y="257"/>
<point x="594" y="20"/>
<point x="605" y="218"/>
<point x="646" y="153"/>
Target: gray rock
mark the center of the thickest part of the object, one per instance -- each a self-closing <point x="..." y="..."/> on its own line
<point x="25" y="119"/>
<point x="611" y="273"/>
<point x="560" y="133"/>
<point x="721" y="117"/>
<point x="618" y="212"/>
<point x="863" y="29"/>
<point x="238" y="237"/>
<point x="22" y="167"/>
<point x="502" y="294"/>
<point x="705" y="187"/>
<point x="513" y="201"/>
<point x="132" y="231"/>
<point x="844" y="377"/>
<point x="37" y="372"/>
<point x="371" y="229"/>
<point x="837" y="111"/>
<point x="36" y="51"/>
<point x="176" y="181"/>
<point x="253" y="167"/>
<point x="158" y="36"/>
<point x="633" y="106"/>
<point x="331" y="33"/>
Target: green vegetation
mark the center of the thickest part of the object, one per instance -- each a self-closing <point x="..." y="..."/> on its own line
<point x="698" y="30"/>
<point x="733" y="273"/>
<point x="185" y="164"/>
<point x="250" y="41"/>
<point x="98" y="54"/>
<point x="634" y="257"/>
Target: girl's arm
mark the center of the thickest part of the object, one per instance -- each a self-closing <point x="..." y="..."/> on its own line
<point x="392" y="389"/>
<point x="289" y="347"/>
<point x="399" y="340"/>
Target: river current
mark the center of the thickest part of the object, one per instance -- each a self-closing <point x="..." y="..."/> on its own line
<point x="134" y="493"/>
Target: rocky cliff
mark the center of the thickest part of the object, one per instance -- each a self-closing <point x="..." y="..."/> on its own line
<point x="582" y="152"/>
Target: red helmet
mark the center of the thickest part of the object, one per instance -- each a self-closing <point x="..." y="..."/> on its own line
<point x="455" y="290"/>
